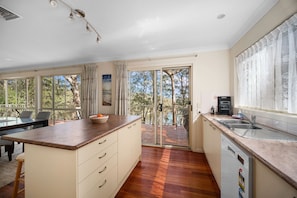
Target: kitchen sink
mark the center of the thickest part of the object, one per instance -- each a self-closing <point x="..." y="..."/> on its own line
<point x="245" y="129"/>
<point x="235" y="123"/>
<point x="242" y="126"/>
<point x="232" y="121"/>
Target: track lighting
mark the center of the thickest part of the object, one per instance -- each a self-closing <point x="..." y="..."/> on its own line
<point x="79" y="14"/>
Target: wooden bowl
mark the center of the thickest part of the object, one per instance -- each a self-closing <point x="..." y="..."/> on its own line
<point x="95" y="119"/>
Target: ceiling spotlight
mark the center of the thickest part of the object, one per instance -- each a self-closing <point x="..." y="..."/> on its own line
<point x="79" y="13"/>
<point x="71" y="15"/>
<point x="53" y="3"/>
<point x="88" y="28"/>
<point x="98" y="39"/>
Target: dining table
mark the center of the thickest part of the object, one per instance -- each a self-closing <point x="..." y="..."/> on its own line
<point x="11" y="125"/>
<point x="8" y="123"/>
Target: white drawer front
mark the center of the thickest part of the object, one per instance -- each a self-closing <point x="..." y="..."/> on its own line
<point x="101" y="182"/>
<point x="93" y="148"/>
<point x="96" y="161"/>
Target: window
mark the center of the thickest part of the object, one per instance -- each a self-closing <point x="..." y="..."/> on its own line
<point x="61" y="96"/>
<point x="267" y="71"/>
<point x="17" y="94"/>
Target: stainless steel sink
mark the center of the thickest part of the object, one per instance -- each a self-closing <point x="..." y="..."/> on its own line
<point x="232" y="121"/>
<point x="245" y="129"/>
<point x="235" y="123"/>
<point x="242" y="126"/>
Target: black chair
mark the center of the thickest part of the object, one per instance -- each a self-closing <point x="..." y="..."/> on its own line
<point x="8" y="147"/>
<point x="43" y="115"/>
<point x="26" y="114"/>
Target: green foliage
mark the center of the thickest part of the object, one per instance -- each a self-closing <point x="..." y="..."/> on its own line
<point x="175" y="93"/>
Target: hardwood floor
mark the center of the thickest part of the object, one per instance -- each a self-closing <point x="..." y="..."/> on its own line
<point x="164" y="173"/>
<point x="170" y="173"/>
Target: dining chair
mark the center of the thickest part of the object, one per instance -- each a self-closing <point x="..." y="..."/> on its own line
<point x="44" y="115"/>
<point x="8" y="147"/>
<point x="26" y="114"/>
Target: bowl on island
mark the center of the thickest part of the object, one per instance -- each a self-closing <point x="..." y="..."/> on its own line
<point x="98" y="118"/>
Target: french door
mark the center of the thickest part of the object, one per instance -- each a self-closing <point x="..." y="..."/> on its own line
<point x="162" y="99"/>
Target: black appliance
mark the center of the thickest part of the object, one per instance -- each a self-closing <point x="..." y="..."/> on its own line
<point x="224" y="105"/>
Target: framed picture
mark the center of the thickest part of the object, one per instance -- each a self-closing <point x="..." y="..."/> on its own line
<point x="106" y="90"/>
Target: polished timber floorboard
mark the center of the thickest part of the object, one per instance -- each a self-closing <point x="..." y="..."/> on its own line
<point x="163" y="173"/>
<point x="170" y="173"/>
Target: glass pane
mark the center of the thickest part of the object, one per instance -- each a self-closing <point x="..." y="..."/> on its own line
<point x="31" y="93"/>
<point x="142" y="102"/>
<point x="11" y="91"/>
<point x="61" y="95"/>
<point x="47" y="96"/>
<point x="21" y="92"/>
<point x="175" y="106"/>
<point x="2" y="92"/>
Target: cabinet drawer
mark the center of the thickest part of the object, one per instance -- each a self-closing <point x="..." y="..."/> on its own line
<point x="101" y="182"/>
<point x="93" y="148"/>
<point x="96" y="161"/>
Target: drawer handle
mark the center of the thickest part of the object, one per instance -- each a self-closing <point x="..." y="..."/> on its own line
<point x="102" y="156"/>
<point x="102" y="184"/>
<point x="102" y="170"/>
<point x="102" y="141"/>
<point x="129" y="127"/>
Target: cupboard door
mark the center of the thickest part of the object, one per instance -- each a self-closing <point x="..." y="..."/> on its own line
<point x="129" y="149"/>
<point x="212" y="148"/>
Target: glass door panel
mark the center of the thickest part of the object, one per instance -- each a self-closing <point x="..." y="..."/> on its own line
<point x="161" y="98"/>
<point x="176" y="106"/>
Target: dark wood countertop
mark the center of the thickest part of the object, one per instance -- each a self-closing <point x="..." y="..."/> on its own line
<point x="73" y="134"/>
<point x="279" y="155"/>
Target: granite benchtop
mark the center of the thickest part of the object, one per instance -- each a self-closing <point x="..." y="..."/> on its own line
<point x="73" y="134"/>
<point x="279" y="155"/>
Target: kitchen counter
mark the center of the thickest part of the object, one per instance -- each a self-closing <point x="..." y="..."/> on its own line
<point x="279" y="155"/>
<point x="80" y="159"/>
<point x="71" y="135"/>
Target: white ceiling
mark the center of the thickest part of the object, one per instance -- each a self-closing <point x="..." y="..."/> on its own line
<point x="45" y="36"/>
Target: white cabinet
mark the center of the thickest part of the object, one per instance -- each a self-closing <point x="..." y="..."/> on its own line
<point x="268" y="184"/>
<point x="129" y="149"/>
<point x="212" y="148"/>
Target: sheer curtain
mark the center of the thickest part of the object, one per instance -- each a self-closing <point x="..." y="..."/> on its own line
<point x="267" y="73"/>
<point x="121" y="103"/>
<point x="89" y="90"/>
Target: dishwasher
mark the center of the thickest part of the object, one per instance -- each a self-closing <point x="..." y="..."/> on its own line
<point x="236" y="167"/>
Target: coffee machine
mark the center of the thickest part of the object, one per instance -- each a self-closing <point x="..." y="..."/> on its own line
<point x="224" y="105"/>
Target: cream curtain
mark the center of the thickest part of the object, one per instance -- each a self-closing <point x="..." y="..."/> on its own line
<point x="266" y="72"/>
<point x="121" y="102"/>
<point x="89" y="90"/>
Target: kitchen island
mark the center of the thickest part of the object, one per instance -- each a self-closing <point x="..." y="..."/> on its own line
<point x="79" y="158"/>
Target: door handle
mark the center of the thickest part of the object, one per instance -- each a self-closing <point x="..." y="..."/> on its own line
<point x="160" y="107"/>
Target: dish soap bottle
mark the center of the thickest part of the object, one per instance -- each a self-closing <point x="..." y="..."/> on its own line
<point x="212" y="110"/>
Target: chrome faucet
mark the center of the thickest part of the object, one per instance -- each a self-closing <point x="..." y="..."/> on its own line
<point x="251" y="120"/>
